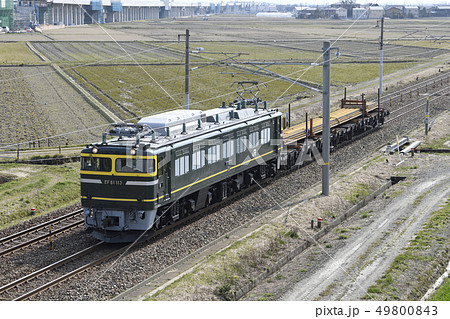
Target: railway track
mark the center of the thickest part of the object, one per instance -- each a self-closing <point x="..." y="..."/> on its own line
<point x="17" y="293"/>
<point x="414" y="90"/>
<point x="49" y="276"/>
<point x="418" y="104"/>
<point x="35" y="234"/>
<point x="29" y="285"/>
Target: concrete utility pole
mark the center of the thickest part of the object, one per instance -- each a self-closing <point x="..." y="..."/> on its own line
<point x="186" y="70"/>
<point x="326" y="120"/>
<point x="381" y="57"/>
<point x="427" y="115"/>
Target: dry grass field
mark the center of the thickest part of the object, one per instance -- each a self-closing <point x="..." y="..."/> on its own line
<point x="136" y="69"/>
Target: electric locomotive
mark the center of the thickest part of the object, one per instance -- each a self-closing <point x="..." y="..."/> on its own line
<point x="156" y="172"/>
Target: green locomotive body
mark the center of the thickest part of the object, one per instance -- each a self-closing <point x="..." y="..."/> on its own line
<point x="173" y="164"/>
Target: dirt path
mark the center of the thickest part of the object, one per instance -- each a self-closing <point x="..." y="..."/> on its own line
<point x="351" y="269"/>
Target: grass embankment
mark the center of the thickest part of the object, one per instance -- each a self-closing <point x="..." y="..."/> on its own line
<point x="418" y="260"/>
<point x="222" y="274"/>
<point x="443" y="293"/>
<point x="231" y="268"/>
<point x="43" y="187"/>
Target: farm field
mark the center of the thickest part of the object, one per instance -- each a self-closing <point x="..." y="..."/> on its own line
<point x="137" y="69"/>
<point x="64" y="87"/>
<point x="37" y="104"/>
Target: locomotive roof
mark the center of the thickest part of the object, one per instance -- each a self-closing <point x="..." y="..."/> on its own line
<point x="183" y="126"/>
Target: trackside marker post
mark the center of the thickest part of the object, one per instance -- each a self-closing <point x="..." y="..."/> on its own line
<point x="319" y="222"/>
<point x="33" y="211"/>
<point x="50" y="238"/>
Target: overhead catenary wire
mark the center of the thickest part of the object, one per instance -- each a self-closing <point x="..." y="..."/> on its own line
<point x="196" y="102"/>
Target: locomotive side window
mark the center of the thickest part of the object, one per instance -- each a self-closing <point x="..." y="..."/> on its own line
<point x="99" y="164"/>
<point x="228" y="149"/>
<point x="253" y="139"/>
<point x="182" y="165"/>
<point x="213" y="154"/>
<point x="241" y="144"/>
<point x="198" y="159"/>
<point x="133" y="165"/>
<point x="265" y="135"/>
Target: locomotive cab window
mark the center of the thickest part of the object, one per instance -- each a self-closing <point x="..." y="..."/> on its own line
<point x="133" y="165"/>
<point x="98" y="164"/>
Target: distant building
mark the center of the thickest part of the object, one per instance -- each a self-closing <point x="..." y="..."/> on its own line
<point x="306" y="12"/>
<point x="375" y="12"/>
<point x="328" y="13"/>
<point x="395" y="12"/>
<point x="334" y="13"/>
<point x="368" y="13"/>
<point x="411" y="11"/>
<point x="441" y="11"/>
<point x="359" y="13"/>
<point x="21" y="14"/>
<point x="341" y="13"/>
<point x="7" y="14"/>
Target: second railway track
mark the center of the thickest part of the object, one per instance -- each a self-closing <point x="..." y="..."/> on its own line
<point x="39" y="232"/>
<point x="165" y="249"/>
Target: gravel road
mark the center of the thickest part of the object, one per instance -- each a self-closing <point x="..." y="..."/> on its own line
<point x="350" y="270"/>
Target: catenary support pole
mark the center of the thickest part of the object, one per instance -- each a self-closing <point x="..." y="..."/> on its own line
<point x="381" y="58"/>
<point x="427" y="115"/>
<point x="378" y="107"/>
<point x="186" y="79"/>
<point x="326" y="120"/>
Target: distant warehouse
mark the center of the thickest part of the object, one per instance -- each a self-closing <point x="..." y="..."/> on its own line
<point x="19" y="15"/>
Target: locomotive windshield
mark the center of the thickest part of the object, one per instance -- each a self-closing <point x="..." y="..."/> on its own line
<point x="133" y="165"/>
<point x="99" y="164"/>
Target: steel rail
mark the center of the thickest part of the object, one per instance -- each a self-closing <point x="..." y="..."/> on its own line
<point x="37" y="239"/>
<point x="420" y="100"/>
<point x="50" y="267"/>
<point x="409" y="111"/>
<point x="396" y="94"/>
<point x="50" y="222"/>
<point x="71" y="274"/>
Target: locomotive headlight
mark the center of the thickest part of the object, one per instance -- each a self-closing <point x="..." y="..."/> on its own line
<point x="95" y="150"/>
<point x="91" y="212"/>
<point x="133" y="151"/>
